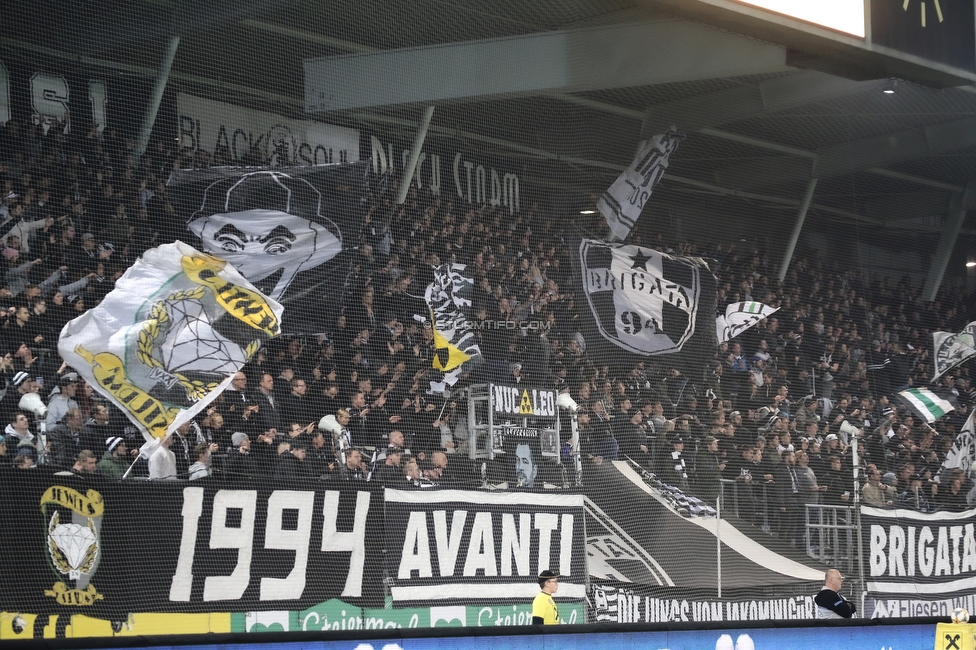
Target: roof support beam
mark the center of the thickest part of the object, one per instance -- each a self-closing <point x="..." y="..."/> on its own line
<point x="636" y="115"/>
<point x="801" y="216"/>
<point x="596" y="58"/>
<point x="743" y="102"/>
<point x="957" y="214"/>
<point x="866" y="155"/>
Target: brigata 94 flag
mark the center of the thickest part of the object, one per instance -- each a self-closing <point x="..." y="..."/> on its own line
<point x="645" y="303"/>
<point x="170" y="336"/>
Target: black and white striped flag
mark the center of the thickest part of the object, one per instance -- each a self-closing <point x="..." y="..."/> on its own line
<point x="623" y="202"/>
<point x="455" y="342"/>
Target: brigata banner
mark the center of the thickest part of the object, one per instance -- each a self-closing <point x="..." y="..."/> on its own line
<point x="459" y="545"/>
<point x="912" y="556"/>
<point x="645" y="303"/>
<point x="108" y="549"/>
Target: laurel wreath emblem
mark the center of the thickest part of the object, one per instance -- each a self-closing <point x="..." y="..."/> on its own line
<point x="151" y="330"/>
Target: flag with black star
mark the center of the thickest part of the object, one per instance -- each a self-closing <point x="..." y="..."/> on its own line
<point x="641" y="302"/>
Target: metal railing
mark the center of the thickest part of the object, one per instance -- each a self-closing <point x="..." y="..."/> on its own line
<point x="830" y="535"/>
<point x="748" y="501"/>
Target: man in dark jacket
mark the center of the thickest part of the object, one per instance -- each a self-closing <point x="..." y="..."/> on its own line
<point x="291" y="463"/>
<point x="240" y="463"/>
<point x="830" y="604"/>
<point x="672" y="468"/>
<point x="709" y="468"/>
<point x="66" y="439"/>
<point x="788" y="497"/>
<point x="21" y="384"/>
<point x="632" y="438"/>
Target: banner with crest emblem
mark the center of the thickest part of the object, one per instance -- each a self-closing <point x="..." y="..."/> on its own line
<point x="642" y="303"/>
<point x="169" y="338"/>
<point x="74" y="524"/>
<point x="949" y="350"/>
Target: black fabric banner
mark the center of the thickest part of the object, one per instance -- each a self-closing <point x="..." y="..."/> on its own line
<point x="459" y="545"/>
<point x="638" y="304"/>
<point x="642" y="604"/>
<point x="108" y="549"/>
<point x="290" y="231"/>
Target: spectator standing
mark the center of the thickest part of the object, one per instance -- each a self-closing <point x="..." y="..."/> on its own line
<point x="544" y="610"/>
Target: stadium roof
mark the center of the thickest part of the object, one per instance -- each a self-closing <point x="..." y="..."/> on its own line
<point x="759" y="129"/>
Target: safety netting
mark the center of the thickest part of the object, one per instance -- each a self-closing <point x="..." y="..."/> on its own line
<point x="365" y="314"/>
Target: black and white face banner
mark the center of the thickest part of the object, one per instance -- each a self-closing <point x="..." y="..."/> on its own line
<point x="283" y="234"/>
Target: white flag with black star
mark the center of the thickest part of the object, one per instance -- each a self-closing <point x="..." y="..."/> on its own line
<point x="646" y="303"/>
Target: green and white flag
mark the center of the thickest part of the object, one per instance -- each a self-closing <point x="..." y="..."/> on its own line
<point x="740" y="316"/>
<point x="925" y="404"/>
<point x="949" y="350"/>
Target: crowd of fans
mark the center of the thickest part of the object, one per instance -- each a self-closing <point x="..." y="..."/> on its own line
<point x="354" y="402"/>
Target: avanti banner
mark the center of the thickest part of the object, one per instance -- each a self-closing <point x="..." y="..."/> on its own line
<point x="460" y="545"/>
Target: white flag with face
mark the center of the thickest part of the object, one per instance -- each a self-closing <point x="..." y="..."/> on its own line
<point x="623" y="202"/>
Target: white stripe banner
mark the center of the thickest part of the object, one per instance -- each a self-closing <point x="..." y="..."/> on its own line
<point x="623" y="201"/>
<point x="739" y="317"/>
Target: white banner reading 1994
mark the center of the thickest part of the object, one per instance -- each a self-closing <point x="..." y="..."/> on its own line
<point x="210" y="125"/>
<point x="458" y="545"/>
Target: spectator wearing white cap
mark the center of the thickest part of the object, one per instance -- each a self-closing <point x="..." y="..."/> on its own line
<point x="20" y="384"/>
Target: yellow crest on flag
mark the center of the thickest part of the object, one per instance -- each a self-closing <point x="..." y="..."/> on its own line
<point x="446" y="356"/>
